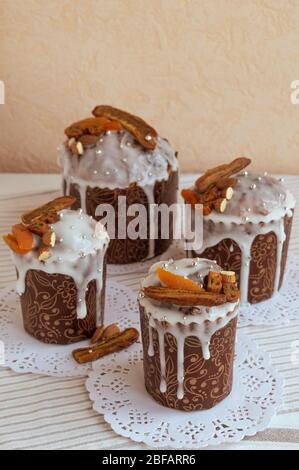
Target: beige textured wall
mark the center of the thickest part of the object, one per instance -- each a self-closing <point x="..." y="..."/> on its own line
<point x="212" y="75"/>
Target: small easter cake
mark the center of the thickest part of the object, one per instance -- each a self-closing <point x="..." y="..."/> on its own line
<point x="247" y="222"/>
<point x="115" y="154"/>
<point x="188" y="315"/>
<point x="59" y="255"/>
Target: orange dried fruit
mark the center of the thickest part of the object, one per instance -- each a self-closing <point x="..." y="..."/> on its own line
<point x="190" y="196"/>
<point x="174" y="281"/>
<point x="12" y="243"/>
<point x="23" y="237"/>
<point x="112" y="126"/>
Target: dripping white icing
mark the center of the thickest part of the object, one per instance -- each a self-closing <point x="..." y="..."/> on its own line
<point x="116" y="161"/>
<point x="203" y="322"/>
<point x="258" y="206"/>
<point x="79" y="253"/>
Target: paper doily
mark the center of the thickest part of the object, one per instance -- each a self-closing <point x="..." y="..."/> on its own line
<point x="282" y="308"/>
<point x="23" y="353"/>
<point x="116" y="387"/>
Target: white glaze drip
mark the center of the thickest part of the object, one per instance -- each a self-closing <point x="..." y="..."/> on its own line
<point x="116" y="161"/>
<point x="79" y="254"/>
<point x="202" y="323"/>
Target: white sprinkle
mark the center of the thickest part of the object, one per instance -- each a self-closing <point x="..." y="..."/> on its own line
<point x="60" y="240"/>
<point x="99" y="151"/>
<point x="245" y="173"/>
<point x="61" y="215"/>
<point x="150" y="174"/>
<point x="99" y="270"/>
<point x="148" y="137"/>
<point x="83" y="237"/>
<point x="259" y="178"/>
<point x="245" y="219"/>
<point x="253" y="186"/>
<point x="101" y="139"/>
<point x="281" y="180"/>
<point x="80" y="211"/>
<point x="108" y="132"/>
<point x="107" y="173"/>
<point x="59" y="259"/>
<point x="90" y="351"/>
<point x="82" y="254"/>
<point x="95" y="172"/>
<point x="129" y="144"/>
<point x="141" y="295"/>
<point x="86" y="290"/>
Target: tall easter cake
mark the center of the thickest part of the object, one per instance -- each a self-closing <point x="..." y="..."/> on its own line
<point x="117" y="154"/>
<point x="59" y="255"/>
<point x="188" y="315"/>
<point x="246" y="227"/>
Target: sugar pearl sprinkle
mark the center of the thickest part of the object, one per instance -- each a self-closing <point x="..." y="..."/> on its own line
<point x="148" y="137"/>
<point x="253" y="186"/>
<point x="99" y="152"/>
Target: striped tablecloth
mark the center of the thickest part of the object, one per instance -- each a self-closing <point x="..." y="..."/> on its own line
<point x="38" y="412"/>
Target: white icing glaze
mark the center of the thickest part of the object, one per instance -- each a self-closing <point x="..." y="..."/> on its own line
<point x="79" y="253"/>
<point x="203" y="322"/>
<point x="116" y="161"/>
<point x="258" y="206"/>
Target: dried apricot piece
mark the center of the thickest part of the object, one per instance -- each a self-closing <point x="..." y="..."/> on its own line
<point x="23" y="237"/>
<point x="174" y="281"/>
<point x="190" y="196"/>
<point x="12" y="243"/>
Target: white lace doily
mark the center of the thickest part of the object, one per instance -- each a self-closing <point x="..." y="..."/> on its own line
<point x="23" y="353"/>
<point x="116" y="387"/>
<point x="282" y="308"/>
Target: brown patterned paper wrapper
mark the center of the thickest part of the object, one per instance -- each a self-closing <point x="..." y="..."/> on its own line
<point x="123" y="251"/>
<point x="262" y="265"/>
<point x="49" y="308"/>
<point x="206" y="382"/>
